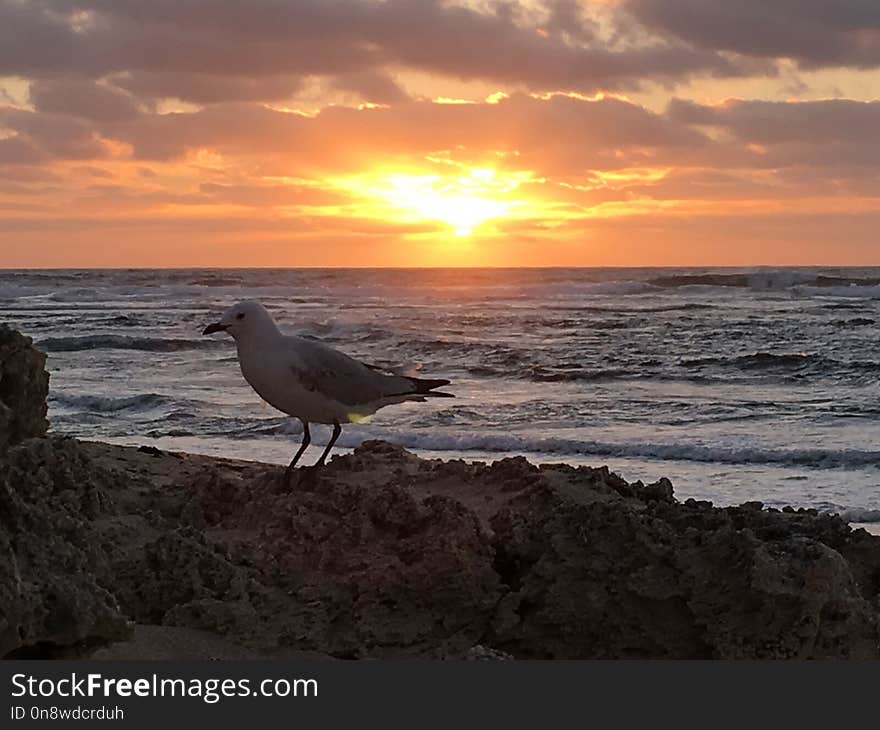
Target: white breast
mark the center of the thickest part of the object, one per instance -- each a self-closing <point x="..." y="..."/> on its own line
<point x="269" y="372"/>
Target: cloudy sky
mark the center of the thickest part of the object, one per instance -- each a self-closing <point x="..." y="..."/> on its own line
<point x="439" y="132"/>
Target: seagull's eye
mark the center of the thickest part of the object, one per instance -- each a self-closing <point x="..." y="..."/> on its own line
<point x="240" y="315"/>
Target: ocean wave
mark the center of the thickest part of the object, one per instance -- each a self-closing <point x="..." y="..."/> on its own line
<point x="859" y="514"/>
<point x="629" y="308"/>
<point x="852" y="291"/>
<point x="625" y="286"/>
<point x="122" y="320"/>
<point x="759" y="361"/>
<point x="121" y="342"/>
<point x="106" y="404"/>
<point x="854" y="322"/>
<point x="217" y="281"/>
<point x="503" y="443"/>
<point x="765" y="281"/>
<point x="560" y="290"/>
<point x="815" y="458"/>
<point x="574" y="372"/>
<point x="797" y="363"/>
<point x="514" y="444"/>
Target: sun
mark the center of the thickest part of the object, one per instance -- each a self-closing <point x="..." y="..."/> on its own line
<point x="463" y="201"/>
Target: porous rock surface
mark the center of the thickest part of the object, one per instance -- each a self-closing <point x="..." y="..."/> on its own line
<point x="51" y="603"/>
<point x="24" y="386"/>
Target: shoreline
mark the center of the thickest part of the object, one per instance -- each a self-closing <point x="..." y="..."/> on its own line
<point x="487" y="457"/>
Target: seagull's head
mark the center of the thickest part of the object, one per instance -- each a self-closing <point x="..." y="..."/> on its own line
<point x="243" y="319"/>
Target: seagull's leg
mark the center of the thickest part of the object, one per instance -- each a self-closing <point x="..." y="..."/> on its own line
<point x="337" y="429"/>
<point x="306" y="440"/>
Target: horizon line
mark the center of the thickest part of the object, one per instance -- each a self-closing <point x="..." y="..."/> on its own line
<point x="439" y="268"/>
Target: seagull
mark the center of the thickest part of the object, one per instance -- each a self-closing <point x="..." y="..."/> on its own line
<point x="311" y="381"/>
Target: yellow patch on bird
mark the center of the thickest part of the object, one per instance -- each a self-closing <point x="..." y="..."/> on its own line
<point x="356" y="417"/>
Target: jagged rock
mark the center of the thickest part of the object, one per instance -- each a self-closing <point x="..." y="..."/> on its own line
<point x="661" y="490"/>
<point x="386" y="554"/>
<point x="24" y="386"/>
<point x="348" y="570"/>
<point x="601" y="580"/>
<point x="50" y="601"/>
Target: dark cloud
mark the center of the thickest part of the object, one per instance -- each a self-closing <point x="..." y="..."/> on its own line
<point x="184" y="49"/>
<point x="207" y="88"/>
<point x="17" y="150"/>
<point x="829" y="133"/>
<point x="815" y="33"/>
<point x="82" y="98"/>
<point x="371" y="86"/>
<point x="568" y="18"/>
<point x="767" y="122"/>
<point x="54" y="135"/>
<point x="33" y="40"/>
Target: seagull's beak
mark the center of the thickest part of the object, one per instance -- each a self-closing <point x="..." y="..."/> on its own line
<point x="212" y="328"/>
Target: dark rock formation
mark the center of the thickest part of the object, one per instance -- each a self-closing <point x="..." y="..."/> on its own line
<point x="50" y="601"/>
<point x="385" y="554"/>
<point x="24" y="386"/>
<point x="349" y="570"/>
<point x="600" y="576"/>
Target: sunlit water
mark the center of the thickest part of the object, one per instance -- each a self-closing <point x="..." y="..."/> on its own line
<point x="737" y="384"/>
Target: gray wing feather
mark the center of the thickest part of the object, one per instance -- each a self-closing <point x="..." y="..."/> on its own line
<point x="342" y="378"/>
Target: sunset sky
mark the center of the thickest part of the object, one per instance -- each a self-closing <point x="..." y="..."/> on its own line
<point x="427" y="132"/>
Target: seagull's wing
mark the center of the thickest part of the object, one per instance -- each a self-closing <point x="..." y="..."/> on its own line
<point x="335" y="375"/>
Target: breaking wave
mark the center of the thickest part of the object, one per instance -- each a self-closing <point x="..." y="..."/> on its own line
<point x="764" y="281"/>
<point x="465" y="442"/>
<point x="858" y="514"/>
<point x="106" y="404"/>
<point x="815" y="458"/>
<point x="121" y="342"/>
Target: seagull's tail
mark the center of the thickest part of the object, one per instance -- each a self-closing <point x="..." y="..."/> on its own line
<point x="425" y="387"/>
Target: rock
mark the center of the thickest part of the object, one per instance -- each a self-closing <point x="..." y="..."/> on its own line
<point x="347" y="570"/>
<point x="51" y="603"/>
<point x="24" y="386"/>
<point x="151" y="450"/>
<point x="603" y="580"/>
<point x="383" y="554"/>
<point x="660" y="491"/>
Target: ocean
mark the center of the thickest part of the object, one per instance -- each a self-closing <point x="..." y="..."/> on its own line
<point x="737" y="384"/>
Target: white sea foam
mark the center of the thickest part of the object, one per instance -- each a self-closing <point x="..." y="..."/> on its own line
<point x="858" y="514"/>
<point x="851" y="291"/>
<point x="507" y="443"/>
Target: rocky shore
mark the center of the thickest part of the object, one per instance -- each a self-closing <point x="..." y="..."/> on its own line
<point x="120" y="552"/>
